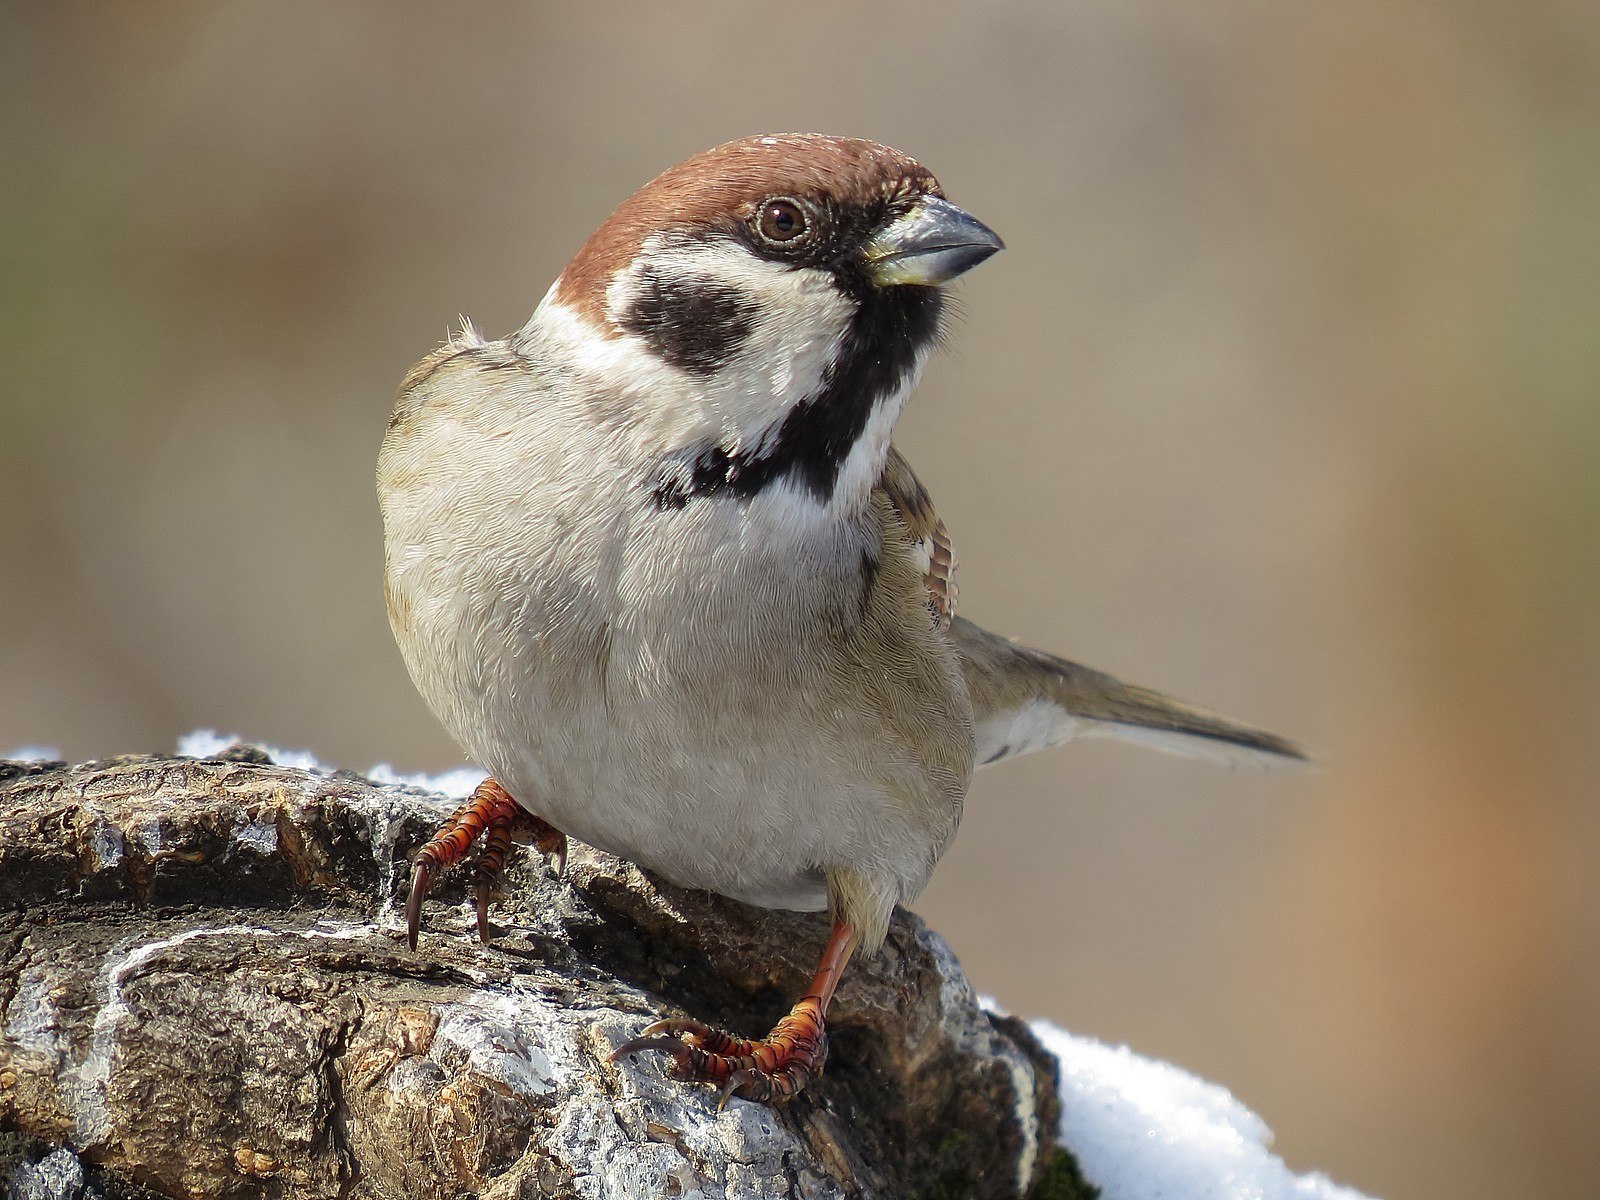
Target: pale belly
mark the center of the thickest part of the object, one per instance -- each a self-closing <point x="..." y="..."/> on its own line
<point x="748" y="833"/>
<point x="735" y="781"/>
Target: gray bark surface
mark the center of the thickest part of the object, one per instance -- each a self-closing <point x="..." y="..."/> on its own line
<point x="205" y="992"/>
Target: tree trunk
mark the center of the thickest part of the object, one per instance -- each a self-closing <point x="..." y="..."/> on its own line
<point x="205" y="992"/>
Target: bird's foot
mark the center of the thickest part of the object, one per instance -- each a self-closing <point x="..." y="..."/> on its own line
<point x="772" y="1069"/>
<point x="491" y="814"/>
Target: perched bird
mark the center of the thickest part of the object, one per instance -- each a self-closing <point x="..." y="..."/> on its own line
<point x="655" y="564"/>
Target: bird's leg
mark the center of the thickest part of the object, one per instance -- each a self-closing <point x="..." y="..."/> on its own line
<point x="489" y="813"/>
<point x="773" y="1068"/>
<point x="551" y="842"/>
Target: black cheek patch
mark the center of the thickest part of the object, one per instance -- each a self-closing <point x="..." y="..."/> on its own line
<point x="696" y="326"/>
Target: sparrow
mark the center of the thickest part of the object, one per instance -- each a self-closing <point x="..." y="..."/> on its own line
<point x="655" y="563"/>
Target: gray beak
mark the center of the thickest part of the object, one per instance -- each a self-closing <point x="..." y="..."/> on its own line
<point x="930" y="245"/>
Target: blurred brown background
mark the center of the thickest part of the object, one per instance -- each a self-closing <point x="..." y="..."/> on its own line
<point x="1284" y="399"/>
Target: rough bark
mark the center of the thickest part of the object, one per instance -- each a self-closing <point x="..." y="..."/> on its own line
<point x="204" y="993"/>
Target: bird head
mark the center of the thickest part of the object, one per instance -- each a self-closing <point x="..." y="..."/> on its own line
<point x="766" y="306"/>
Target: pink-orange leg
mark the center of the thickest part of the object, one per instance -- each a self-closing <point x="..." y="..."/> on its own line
<point x="773" y="1068"/>
<point x="489" y="813"/>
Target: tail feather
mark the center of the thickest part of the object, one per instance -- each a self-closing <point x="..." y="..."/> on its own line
<point x="1025" y="700"/>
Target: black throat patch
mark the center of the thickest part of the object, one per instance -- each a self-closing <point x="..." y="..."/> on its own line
<point x="891" y="327"/>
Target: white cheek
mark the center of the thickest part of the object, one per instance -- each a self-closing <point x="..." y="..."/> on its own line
<point x="800" y="321"/>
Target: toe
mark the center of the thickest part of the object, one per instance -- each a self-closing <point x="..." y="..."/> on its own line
<point x="680" y="1051"/>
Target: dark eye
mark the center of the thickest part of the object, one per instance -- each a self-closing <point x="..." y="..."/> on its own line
<point x="781" y="220"/>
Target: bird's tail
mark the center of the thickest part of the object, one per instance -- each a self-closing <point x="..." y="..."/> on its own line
<point x="1025" y="700"/>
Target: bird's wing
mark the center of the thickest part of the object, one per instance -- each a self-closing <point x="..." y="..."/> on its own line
<point x="1025" y="700"/>
<point x="930" y="540"/>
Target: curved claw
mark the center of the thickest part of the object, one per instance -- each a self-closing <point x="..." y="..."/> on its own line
<point x="680" y="1051"/>
<point x="702" y="1037"/>
<point x="483" y="911"/>
<point x="730" y="1088"/>
<point x="557" y="856"/>
<point x="421" y="879"/>
<point x="673" y="1025"/>
<point x="551" y="842"/>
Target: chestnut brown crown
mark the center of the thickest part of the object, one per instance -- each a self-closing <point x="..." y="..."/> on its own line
<point x="830" y="190"/>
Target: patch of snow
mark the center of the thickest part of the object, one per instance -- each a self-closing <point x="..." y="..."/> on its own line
<point x="1145" y="1130"/>
<point x="458" y="782"/>
<point x="208" y="743"/>
<point x="204" y="743"/>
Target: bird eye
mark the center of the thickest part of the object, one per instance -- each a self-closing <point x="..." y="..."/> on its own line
<point x="781" y="220"/>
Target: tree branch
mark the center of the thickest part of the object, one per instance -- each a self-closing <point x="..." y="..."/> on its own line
<point x="204" y="992"/>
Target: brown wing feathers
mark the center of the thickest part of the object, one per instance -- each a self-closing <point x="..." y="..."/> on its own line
<point x="1025" y="700"/>
<point x="926" y="533"/>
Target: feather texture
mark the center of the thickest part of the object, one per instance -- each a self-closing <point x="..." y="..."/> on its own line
<point x="1025" y="700"/>
<point x="926" y="533"/>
